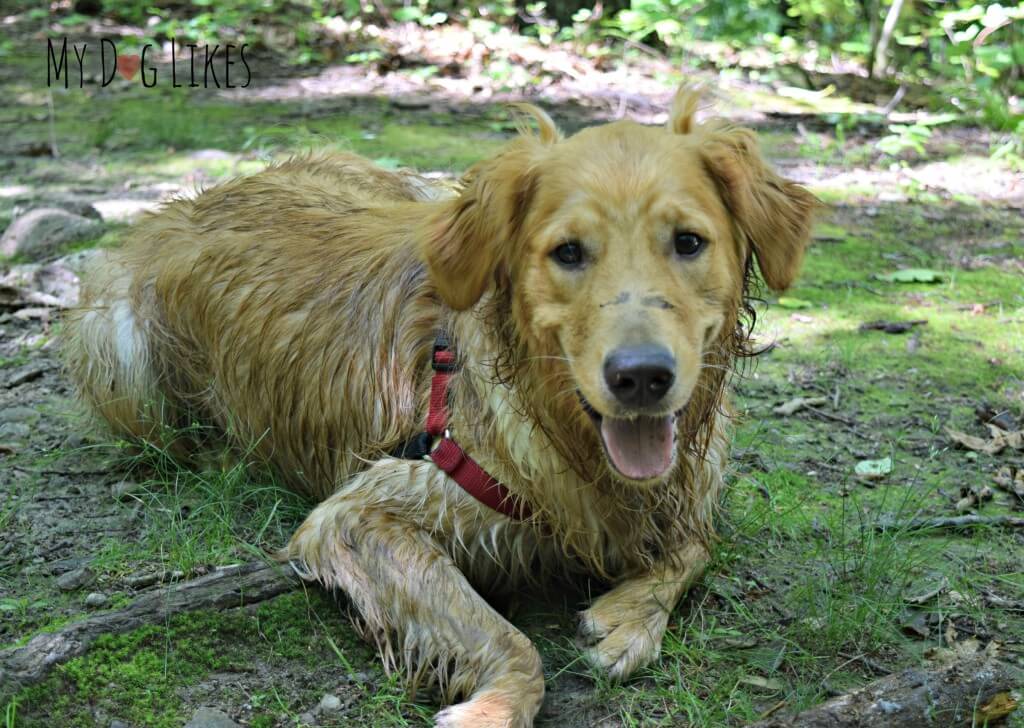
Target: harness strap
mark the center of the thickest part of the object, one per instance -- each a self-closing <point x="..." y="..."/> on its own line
<point x="448" y="455"/>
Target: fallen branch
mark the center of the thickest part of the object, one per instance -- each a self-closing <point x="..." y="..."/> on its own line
<point x="945" y="696"/>
<point x="233" y="586"/>
<point x="951" y="523"/>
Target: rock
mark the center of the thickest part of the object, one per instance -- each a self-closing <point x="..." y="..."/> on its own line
<point x="307" y="719"/>
<point x="75" y="579"/>
<point x="118" y="724"/>
<point x="329" y="704"/>
<point x="210" y="155"/>
<point x="18" y="414"/>
<point x="210" y="718"/>
<point x="96" y="600"/>
<point x="59" y="281"/>
<point x="27" y="373"/>
<point x="14" y="432"/>
<point x="124" y="210"/>
<point x="73" y="205"/>
<point x="39" y="233"/>
<point x="78" y="261"/>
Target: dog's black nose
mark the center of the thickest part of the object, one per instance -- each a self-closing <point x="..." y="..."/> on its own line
<point x="639" y="376"/>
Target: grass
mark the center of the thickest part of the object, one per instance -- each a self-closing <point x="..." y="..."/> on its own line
<point x="806" y="597"/>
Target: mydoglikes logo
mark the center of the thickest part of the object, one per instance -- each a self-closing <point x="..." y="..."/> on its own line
<point x="201" y="66"/>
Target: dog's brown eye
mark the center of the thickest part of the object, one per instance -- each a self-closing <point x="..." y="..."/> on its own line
<point x="688" y="244"/>
<point x="569" y="254"/>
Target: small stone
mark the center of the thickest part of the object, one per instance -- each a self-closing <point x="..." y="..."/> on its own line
<point x="142" y="580"/>
<point x="14" y="432"/>
<point x="210" y="718"/>
<point x="40" y="232"/>
<point x="210" y="155"/>
<point x="96" y="600"/>
<point x="18" y="414"/>
<point x="329" y="704"/>
<point x="75" y="579"/>
<point x="307" y="719"/>
<point x="119" y="724"/>
<point x="124" y="210"/>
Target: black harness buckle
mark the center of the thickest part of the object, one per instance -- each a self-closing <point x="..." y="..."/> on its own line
<point x="442" y="343"/>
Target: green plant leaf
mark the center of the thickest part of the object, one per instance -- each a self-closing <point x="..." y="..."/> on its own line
<point x="912" y="275"/>
<point x="873" y="469"/>
<point x="794" y="303"/>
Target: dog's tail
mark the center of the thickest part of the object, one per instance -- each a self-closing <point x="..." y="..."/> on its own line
<point x="108" y="352"/>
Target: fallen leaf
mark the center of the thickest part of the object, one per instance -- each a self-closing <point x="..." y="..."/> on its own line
<point x="873" y="469"/>
<point x="912" y="275"/>
<point x="789" y="302"/>
<point x="928" y="594"/>
<point x="24" y="314"/>
<point x="998" y="706"/>
<point x="966" y="503"/>
<point x="1002" y="419"/>
<point x="795" y="405"/>
<point x="892" y="327"/>
<point x="972" y="497"/>
<point x="917" y="626"/>
<point x="999" y="442"/>
<point x="742" y="643"/>
<point x="762" y="682"/>
<point x="1012" y="482"/>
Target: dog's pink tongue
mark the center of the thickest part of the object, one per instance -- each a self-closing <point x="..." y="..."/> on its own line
<point x="642" y="448"/>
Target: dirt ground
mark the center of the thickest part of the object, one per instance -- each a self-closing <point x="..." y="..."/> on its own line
<point x="810" y="593"/>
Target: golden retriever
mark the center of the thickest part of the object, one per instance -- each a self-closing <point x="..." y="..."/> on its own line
<point x="593" y="289"/>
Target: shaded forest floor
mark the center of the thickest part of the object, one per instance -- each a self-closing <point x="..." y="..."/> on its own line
<point x="816" y="588"/>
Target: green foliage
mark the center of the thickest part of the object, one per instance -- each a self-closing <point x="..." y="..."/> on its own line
<point x="150" y="666"/>
<point x="902" y="137"/>
<point x="11" y="713"/>
<point x="974" y="50"/>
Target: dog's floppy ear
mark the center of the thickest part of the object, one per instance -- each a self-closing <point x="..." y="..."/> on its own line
<point x="471" y="236"/>
<point x="773" y="213"/>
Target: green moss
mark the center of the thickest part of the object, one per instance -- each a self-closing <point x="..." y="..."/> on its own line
<point x="140" y="677"/>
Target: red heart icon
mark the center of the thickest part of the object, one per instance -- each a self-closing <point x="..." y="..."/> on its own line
<point x="128" y="66"/>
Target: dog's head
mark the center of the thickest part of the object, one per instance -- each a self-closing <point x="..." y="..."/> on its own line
<point x="623" y="250"/>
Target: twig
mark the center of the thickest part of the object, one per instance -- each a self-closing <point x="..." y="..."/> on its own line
<point x="830" y="416"/>
<point x="225" y="588"/>
<point x="894" y="101"/>
<point x="951" y="523"/>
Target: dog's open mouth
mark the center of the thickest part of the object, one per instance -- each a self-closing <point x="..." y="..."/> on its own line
<point x="639" y="448"/>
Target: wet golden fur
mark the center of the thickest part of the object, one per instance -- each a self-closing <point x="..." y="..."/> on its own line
<point x="294" y="311"/>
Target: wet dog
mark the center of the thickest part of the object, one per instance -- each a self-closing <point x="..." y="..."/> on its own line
<point x="566" y="322"/>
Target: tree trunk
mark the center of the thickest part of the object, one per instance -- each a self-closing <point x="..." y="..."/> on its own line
<point x="946" y="696"/>
<point x="225" y="588"/>
<point x="881" y="52"/>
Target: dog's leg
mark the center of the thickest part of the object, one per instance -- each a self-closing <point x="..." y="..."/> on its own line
<point x="405" y="585"/>
<point x="622" y="630"/>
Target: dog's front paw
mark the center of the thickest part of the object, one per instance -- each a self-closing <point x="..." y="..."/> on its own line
<point x="621" y="640"/>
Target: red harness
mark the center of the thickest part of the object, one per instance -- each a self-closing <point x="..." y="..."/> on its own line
<point x="447" y="454"/>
